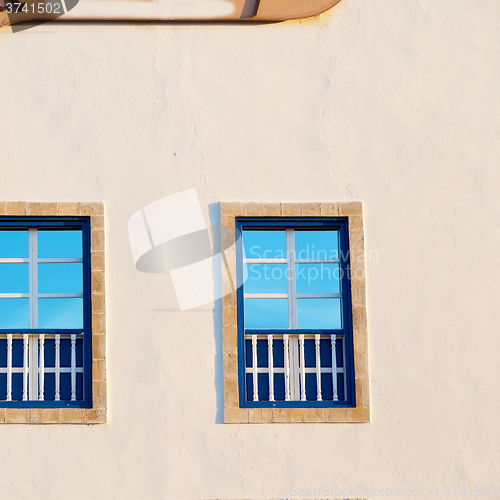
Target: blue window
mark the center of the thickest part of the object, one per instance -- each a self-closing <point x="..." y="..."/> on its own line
<point x="45" y="312"/>
<point x="295" y="345"/>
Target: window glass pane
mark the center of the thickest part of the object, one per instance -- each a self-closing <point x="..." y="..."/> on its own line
<point x="60" y="278"/>
<point x="318" y="278"/>
<point x="319" y="314"/>
<point x="14" y="278"/>
<point x="316" y="245"/>
<point x="60" y="313"/>
<point x="59" y="244"/>
<point x="264" y="244"/>
<point x="14" y="313"/>
<point x="14" y="244"/>
<point x="266" y="313"/>
<point x="266" y="278"/>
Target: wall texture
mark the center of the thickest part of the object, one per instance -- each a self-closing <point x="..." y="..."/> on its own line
<point x="389" y="102"/>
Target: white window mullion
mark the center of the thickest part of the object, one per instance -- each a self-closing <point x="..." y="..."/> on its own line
<point x="302" y="369"/>
<point x="334" y="367"/>
<point x="33" y="308"/>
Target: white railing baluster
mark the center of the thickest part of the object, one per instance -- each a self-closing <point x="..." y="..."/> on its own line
<point x="73" y="367"/>
<point x="270" y="362"/>
<point x="334" y="367"/>
<point x="58" y="366"/>
<point x="41" y="367"/>
<point x="9" y="367"/>
<point x="302" y="369"/>
<point x="287" y="367"/>
<point x="26" y="349"/>
<point x="318" y="368"/>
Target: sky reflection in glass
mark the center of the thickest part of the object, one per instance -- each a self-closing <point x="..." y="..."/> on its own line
<point x="316" y="244"/>
<point x="60" y="278"/>
<point x="319" y="314"/>
<point x="318" y="278"/>
<point x="14" y="313"/>
<point x="266" y="313"/>
<point x="59" y="244"/>
<point x="264" y="244"/>
<point x="60" y="313"/>
<point x="14" y="278"/>
<point x="14" y="244"/>
<point x="266" y="278"/>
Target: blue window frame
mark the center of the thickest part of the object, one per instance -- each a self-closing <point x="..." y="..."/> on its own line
<point x="295" y="346"/>
<point x="45" y="312"/>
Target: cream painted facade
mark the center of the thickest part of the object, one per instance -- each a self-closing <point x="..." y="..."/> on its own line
<point x="392" y="103"/>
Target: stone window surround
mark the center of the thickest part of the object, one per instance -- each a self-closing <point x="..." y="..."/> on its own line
<point x="233" y="414"/>
<point x="98" y="413"/>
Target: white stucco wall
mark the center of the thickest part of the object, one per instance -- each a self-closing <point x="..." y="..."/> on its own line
<point x="392" y="102"/>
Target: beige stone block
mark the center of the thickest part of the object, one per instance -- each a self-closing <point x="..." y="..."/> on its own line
<point x="358" y="414"/>
<point x="336" y="415"/>
<point x="98" y="323"/>
<point x="97" y="222"/>
<point x="311" y="209"/>
<point x="231" y="396"/>
<point x="360" y="340"/>
<point x="2" y="410"/>
<point x="68" y="208"/>
<point x="291" y="209"/>
<point x="44" y="415"/>
<point x="362" y="392"/>
<point x="255" y="415"/>
<point x="235" y="415"/>
<point x="271" y="209"/>
<point x="329" y="209"/>
<point x="95" y="416"/>
<point x="98" y="346"/>
<point x="227" y="221"/>
<point x="99" y="397"/>
<point x="3" y="207"/>
<point x="358" y="316"/>
<point x="358" y="291"/>
<point x="73" y="415"/>
<point x="231" y="209"/>
<point x="283" y="415"/>
<point x="312" y="415"/>
<point x="355" y="223"/>
<point x="230" y="362"/>
<point x="99" y="370"/>
<point x="228" y="287"/>
<point x="96" y="208"/>
<point x="98" y="303"/>
<point x="227" y="237"/>
<point x="97" y="281"/>
<point x="97" y="238"/>
<point x="97" y="260"/>
<point x="361" y="363"/>
<point x="351" y="208"/>
<point x="16" y="416"/>
<point x="49" y="208"/>
<point x="16" y="208"/>
<point x="252" y="209"/>
<point x="33" y="209"/>
<point x="229" y="338"/>
<point x="229" y="316"/>
<point x="229" y="299"/>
